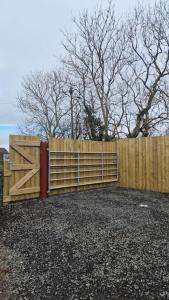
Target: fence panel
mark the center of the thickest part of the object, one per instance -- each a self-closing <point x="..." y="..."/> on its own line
<point x="81" y="165"/>
<point x="144" y="163"/>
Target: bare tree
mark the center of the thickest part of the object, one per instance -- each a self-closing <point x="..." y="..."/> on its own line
<point x="119" y="74"/>
<point x="95" y="57"/>
<point x="45" y="105"/>
<point x="147" y="73"/>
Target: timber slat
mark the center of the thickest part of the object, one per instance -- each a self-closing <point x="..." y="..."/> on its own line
<point x="26" y="191"/>
<point x="28" y="143"/>
<point x="19" y="167"/>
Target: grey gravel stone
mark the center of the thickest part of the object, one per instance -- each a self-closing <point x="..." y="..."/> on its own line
<point x="90" y="245"/>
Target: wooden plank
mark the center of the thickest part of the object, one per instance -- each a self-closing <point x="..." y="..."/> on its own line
<point x="6" y="181"/>
<point x="167" y="163"/>
<point x="150" y="158"/>
<point x="140" y="185"/>
<point x="7" y="171"/>
<point x="158" y="162"/>
<point x="17" y="167"/>
<point x="154" y="155"/>
<point x="164" y="166"/>
<point x="126" y="163"/>
<point x="120" y="153"/>
<point x="136" y="164"/>
<point x="25" y="191"/>
<point x="28" y="143"/>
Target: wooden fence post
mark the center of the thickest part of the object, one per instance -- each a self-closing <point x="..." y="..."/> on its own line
<point x="43" y="170"/>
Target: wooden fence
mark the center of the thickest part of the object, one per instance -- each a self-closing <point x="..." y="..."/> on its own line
<point x="144" y="163"/>
<point x="76" y="165"/>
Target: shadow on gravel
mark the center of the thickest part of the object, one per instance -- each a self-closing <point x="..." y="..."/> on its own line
<point x="97" y="244"/>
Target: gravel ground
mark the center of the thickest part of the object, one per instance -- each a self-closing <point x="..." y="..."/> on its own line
<point x="96" y="244"/>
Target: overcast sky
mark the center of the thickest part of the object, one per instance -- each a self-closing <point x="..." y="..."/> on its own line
<point x="30" y="40"/>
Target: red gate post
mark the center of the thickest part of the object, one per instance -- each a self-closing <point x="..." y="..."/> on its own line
<point x="43" y="170"/>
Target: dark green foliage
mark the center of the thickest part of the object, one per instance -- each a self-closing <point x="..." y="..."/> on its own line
<point x="94" y="124"/>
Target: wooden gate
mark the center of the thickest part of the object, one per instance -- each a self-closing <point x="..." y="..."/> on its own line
<point x="22" y="170"/>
